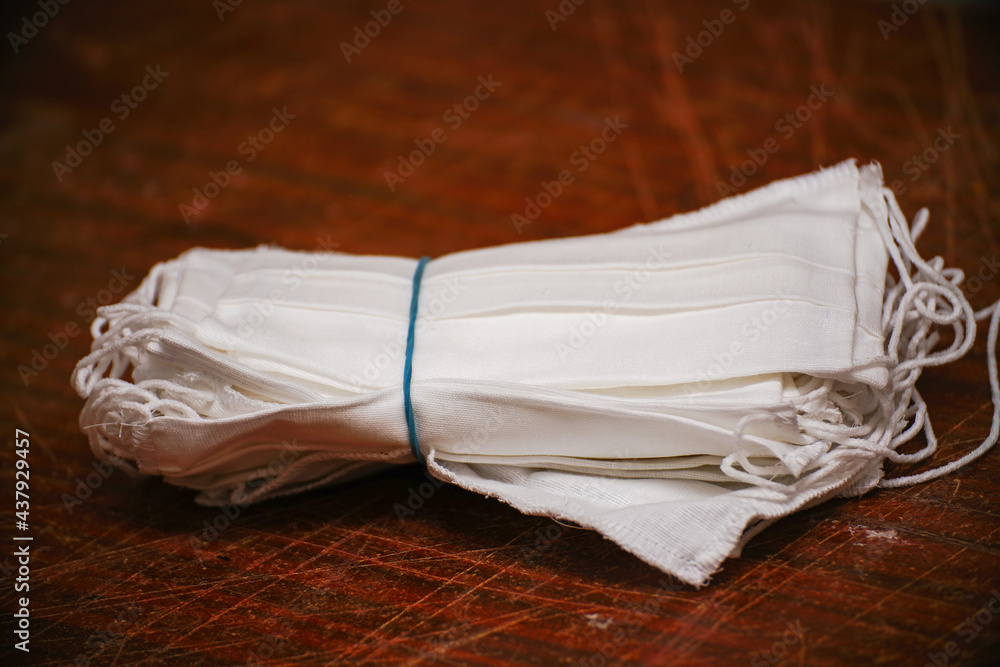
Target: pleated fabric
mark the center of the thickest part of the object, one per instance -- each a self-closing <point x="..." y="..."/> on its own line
<point x="675" y="385"/>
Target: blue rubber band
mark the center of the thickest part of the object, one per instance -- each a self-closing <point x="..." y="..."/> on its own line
<point x="411" y="424"/>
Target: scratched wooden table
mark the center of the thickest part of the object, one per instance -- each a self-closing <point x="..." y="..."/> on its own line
<point x="133" y="131"/>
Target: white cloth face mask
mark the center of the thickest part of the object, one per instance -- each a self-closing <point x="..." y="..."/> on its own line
<point x="676" y="385"/>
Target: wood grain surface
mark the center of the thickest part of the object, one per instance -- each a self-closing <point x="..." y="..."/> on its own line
<point x="124" y="571"/>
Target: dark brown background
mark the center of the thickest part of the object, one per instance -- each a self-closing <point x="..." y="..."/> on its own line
<point x="335" y="576"/>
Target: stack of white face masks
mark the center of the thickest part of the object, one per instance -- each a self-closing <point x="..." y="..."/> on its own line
<point x="676" y="385"/>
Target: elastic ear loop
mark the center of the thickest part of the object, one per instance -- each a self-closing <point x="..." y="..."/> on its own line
<point x="993" y="312"/>
<point x="906" y="239"/>
<point x="411" y="425"/>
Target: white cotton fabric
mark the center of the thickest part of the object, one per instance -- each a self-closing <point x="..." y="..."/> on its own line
<point x="674" y="385"/>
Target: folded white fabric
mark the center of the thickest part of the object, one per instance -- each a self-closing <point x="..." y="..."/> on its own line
<point x="675" y="385"/>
